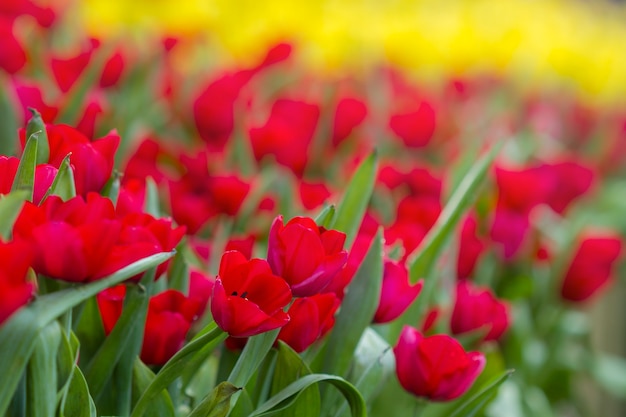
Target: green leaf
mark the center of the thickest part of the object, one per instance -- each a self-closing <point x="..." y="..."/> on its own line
<point x="42" y="372"/>
<point x="19" y="333"/>
<point x="36" y="125"/>
<point x="373" y="365"/>
<point x="66" y="363"/>
<point x="178" y="275"/>
<point x="161" y="405"/>
<point x="151" y="205"/>
<point x="289" y="395"/>
<point x="78" y="402"/>
<point x="123" y="341"/>
<point x="217" y="403"/>
<point x="289" y="368"/>
<point x="89" y="330"/>
<point x="357" y="310"/>
<point x="250" y="359"/>
<point x="63" y="184"/>
<point x="8" y="118"/>
<point x="10" y="206"/>
<point x="326" y="216"/>
<point x="25" y="175"/>
<point x="351" y="209"/>
<point x="187" y="356"/>
<point x="422" y="261"/>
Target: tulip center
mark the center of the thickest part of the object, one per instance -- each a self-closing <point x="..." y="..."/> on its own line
<point x="243" y="294"/>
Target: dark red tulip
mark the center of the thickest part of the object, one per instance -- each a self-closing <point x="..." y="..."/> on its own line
<point x="15" y="290"/>
<point x="477" y="308"/>
<point x="591" y="267"/>
<point x="248" y="298"/>
<point x="397" y="293"/>
<point x="307" y="256"/>
<point x="435" y="367"/>
<point x="310" y="319"/>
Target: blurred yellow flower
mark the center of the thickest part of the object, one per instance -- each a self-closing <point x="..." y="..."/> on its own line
<point x="580" y="45"/>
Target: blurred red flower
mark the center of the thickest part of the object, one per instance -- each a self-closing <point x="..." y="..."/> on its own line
<point x="397" y="293"/>
<point x="15" y="291"/>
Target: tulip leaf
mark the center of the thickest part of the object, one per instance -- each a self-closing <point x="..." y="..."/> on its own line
<point x="42" y="372"/>
<point x="351" y="209"/>
<point x="217" y="403"/>
<point x="151" y="204"/>
<point x="178" y="275"/>
<point x="111" y="188"/>
<point x="10" y="206"/>
<point x="78" y="402"/>
<point x="373" y="365"/>
<point x="161" y="405"/>
<point x="25" y="175"/>
<point x="199" y="347"/>
<point x="289" y="367"/>
<point x="290" y="394"/>
<point x="63" y="184"/>
<point x="89" y="330"/>
<point x="18" y="334"/>
<point x="357" y="310"/>
<point x="326" y="216"/>
<point x="66" y="363"/>
<point x="422" y="261"/>
<point x="124" y="341"/>
<point x="8" y="118"/>
<point x="36" y="125"/>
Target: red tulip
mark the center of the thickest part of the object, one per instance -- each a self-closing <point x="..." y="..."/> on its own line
<point x="91" y="161"/>
<point x="310" y="319"/>
<point x="415" y="126"/>
<point x="591" y="267"/>
<point x="307" y="256"/>
<point x="477" y="308"/>
<point x="287" y="134"/>
<point x="70" y="240"/>
<point x="169" y="318"/>
<point x="12" y="54"/>
<point x="15" y="291"/>
<point x="349" y="114"/>
<point x="397" y="293"/>
<point x="435" y="367"/>
<point x="248" y="298"/>
<point x="44" y="176"/>
<point x="142" y="235"/>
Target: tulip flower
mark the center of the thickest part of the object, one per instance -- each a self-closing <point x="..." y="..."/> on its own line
<point x="470" y="248"/>
<point x="435" y="367"/>
<point x="169" y="318"/>
<point x="397" y="293"/>
<point x="70" y="240"/>
<point x="287" y="134"/>
<point x="248" y="298"/>
<point x="310" y="319"/>
<point x="307" y="256"/>
<point x="15" y="291"/>
<point x="591" y="267"/>
<point x="349" y="114"/>
<point x="44" y="176"/>
<point x="477" y="308"/>
<point x="91" y="161"/>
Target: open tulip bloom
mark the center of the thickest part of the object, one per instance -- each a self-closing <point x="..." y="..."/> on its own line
<point x="194" y="227"/>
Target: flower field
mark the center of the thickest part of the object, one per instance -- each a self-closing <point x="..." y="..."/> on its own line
<point x="313" y="209"/>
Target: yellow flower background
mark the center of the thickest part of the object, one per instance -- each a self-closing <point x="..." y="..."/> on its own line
<point x="571" y="44"/>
